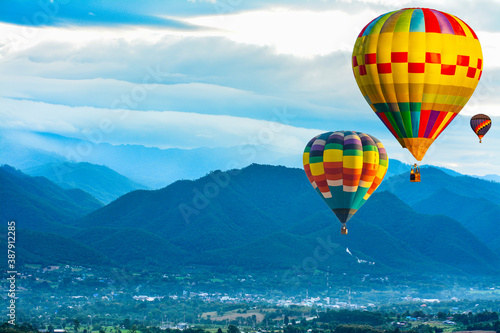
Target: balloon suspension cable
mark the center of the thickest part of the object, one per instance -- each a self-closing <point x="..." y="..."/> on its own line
<point x="343" y="231"/>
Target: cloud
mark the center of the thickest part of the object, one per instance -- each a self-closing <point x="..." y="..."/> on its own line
<point x="297" y="32"/>
<point x="85" y="13"/>
<point x="209" y="75"/>
<point x="166" y="129"/>
<point x="204" y="73"/>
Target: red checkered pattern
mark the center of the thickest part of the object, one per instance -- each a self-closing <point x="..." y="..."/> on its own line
<point x="417" y="67"/>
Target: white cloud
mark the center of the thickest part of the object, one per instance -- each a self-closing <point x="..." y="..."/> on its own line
<point x="168" y="129"/>
<point x="221" y="84"/>
<point x="300" y="33"/>
<point x="490" y="47"/>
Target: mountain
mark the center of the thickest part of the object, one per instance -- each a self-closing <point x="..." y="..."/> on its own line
<point x="38" y="204"/>
<point x="467" y="210"/>
<point x="397" y="168"/>
<point x="98" y="180"/>
<point x="438" y="238"/>
<point x="132" y="247"/>
<point x="201" y="210"/>
<point x="259" y="217"/>
<point x="270" y="217"/>
<point x="494" y="178"/>
<point x="152" y="167"/>
<point x="471" y="201"/>
<point x="433" y="179"/>
<point x="48" y="248"/>
<point x="22" y="151"/>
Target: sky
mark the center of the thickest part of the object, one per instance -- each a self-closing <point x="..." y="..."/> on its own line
<point x="218" y="73"/>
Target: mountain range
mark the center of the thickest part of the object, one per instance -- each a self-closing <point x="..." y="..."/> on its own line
<point x="473" y="202"/>
<point x="38" y="204"/>
<point x="100" y="181"/>
<point x="148" y="166"/>
<point x="262" y="217"/>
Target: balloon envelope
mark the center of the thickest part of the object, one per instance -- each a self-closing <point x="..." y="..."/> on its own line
<point x="480" y="124"/>
<point x="345" y="167"/>
<point x="417" y="68"/>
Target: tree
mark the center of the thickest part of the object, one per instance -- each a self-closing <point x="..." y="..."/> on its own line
<point x="76" y="324"/>
<point x="286" y="320"/>
<point x="441" y="315"/>
<point x="219" y="330"/>
<point x="232" y="329"/>
<point x="126" y="323"/>
<point x="51" y="328"/>
<point x="418" y="313"/>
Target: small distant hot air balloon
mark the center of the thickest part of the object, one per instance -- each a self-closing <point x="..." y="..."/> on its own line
<point x="480" y="124"/>
<point x="345" y="167"/>
<point x="417" y="68"/>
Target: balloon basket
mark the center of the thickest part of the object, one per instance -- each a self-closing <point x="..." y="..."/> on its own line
<point x="343" y="231"/>
<point x="415" y="174"/>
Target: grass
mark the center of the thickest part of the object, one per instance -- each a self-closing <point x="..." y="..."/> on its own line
<point x="216" y="280"/>
<point x="232" y="315"/>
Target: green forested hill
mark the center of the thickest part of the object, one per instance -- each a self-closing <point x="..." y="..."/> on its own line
<point x="38" y="204"/>
<point x="267" y="216"/>
<point x="258" y="218"/>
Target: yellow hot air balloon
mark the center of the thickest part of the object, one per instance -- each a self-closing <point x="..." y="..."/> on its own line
<point x="417" y="68"/>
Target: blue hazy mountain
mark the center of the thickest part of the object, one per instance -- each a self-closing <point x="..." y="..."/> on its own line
<point x="474" y="202"/>
<point x="98" y="180"/>
<point x="494" y="178"/>
<point x="36" y="203"/>
<point x="152" y="167"/>
<point x="24" y="150"/>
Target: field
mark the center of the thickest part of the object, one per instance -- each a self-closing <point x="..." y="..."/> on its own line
<point x="232" y="315"/>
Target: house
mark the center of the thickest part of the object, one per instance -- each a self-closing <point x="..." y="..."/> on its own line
<point x="182" y="326"/>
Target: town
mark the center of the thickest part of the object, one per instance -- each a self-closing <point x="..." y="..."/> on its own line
<point x="55" y="296"/>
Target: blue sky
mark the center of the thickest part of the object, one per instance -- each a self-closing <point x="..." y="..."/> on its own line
<point x="210" y="73"/>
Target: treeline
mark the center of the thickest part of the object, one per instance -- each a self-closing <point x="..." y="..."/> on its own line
<point x="494" y="326"/>
<point x="470" y="318"/>
<point x="351" y="328"/>
<point x="485" y="321"/>
<point x="350" y="317"/>
<point x="24" y="328"/>
<point x="354" y="328"/>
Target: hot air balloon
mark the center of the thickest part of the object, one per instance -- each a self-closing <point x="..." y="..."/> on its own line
<point x="345" y="167"/>
<point x="480" y="124"/>
<point x="417" y="68"/>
